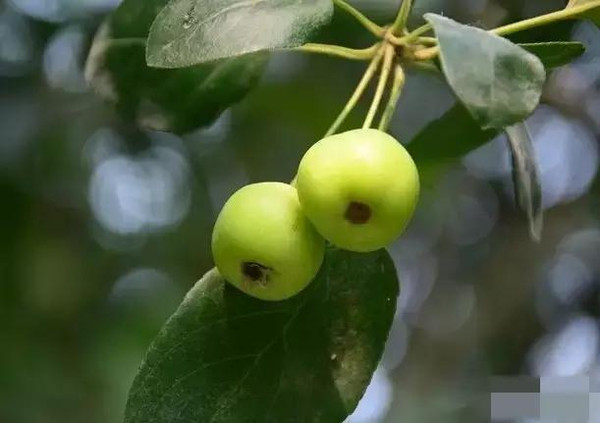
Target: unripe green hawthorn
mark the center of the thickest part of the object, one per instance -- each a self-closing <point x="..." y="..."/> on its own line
<point x="359" y="188"/>
<point x="263" y="243"/>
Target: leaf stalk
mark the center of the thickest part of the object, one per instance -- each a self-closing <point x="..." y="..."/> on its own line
<point x="339" y="51"/>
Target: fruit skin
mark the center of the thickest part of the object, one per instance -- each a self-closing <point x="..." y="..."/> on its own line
<point x="359" y="188"/>
<point x="263" y="243"/>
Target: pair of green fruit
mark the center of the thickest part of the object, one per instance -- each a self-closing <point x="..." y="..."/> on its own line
<point x="358" y="190"/>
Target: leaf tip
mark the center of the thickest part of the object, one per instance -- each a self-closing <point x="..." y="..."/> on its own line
<point x="536" y="227"/>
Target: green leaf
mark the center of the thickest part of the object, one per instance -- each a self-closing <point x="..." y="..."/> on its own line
<point x="593" y="14"/>
<point x="456" y="132"/>
<point x="528" y="190"/>
<point x="226" y="357"/>
<point x="555" y="54"/>
<point x="499" y="82"/>
<point x="187" y="32"/>
<point x="167" y="100"/>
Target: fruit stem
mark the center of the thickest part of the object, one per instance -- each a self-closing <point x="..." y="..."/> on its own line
<point x="339" y="51"/>
<point x="396" y="91"/>
<point x="383" y="78"/>
<point x="427" y="40"/>
<point x="403" y="13"/>
<point x="427" y="54"/>
<point x="358" y="92"/>
<point x="371" y="26"/>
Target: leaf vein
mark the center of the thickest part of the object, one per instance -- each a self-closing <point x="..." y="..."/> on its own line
<point x="189" y="334"/>
<point x="260" y="355"/>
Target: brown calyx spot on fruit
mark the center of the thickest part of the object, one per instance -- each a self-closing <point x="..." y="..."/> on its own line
<point x="358" y="213"/>
<point x="256" y="272"/>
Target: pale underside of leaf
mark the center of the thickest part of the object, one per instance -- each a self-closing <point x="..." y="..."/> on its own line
<point x="499" y="82"/>
<point x="456" y="132"/>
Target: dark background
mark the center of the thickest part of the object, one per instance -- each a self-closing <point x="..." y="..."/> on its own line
<point x="104" y="228"/>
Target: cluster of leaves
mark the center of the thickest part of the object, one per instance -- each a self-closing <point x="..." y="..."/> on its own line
<point x="175" y="66"/>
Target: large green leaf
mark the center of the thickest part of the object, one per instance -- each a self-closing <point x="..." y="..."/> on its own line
<point x="187" y="32"/>
<point x="555" y="54"/>
<point x="526" y="177"/>
<point x="499" y="82"/>
<point x="167" y="100"/>
<point x="226" y="357"/>
<point x="593" y="13"/>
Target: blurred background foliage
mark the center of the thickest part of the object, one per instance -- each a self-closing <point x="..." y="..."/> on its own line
<point x="104" y="227"/>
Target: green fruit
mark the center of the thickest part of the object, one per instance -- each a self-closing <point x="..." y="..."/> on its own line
<point x="359" y="188"/>
<point x="263" y="243"/>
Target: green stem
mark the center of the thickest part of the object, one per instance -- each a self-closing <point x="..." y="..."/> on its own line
<point x="414" y="35"/>
<point x="427" y="40"/>
<point x="339" y="51"/>
<point x="371" y="26"/>
<point x="396" y="91"/>
<point x="546" y="19"/>
<point x="432" y="52"/>
<point x="423" y="29"/>
<point x="403" y="13"/>
<point x="385" y="74"/>
<point x="358" y="92"/>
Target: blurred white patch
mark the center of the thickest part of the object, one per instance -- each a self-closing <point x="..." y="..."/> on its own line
<point x="567" y="154"/>
<point x="569" y="278"/>
<point x="589" y="64"/>
<point x="585" y="245"/>
<point x="141" y="286"/>
<point x="417" y="278"/>
<point x="144" y="194"/>
<point x="62" y="60"/>
<point x="376" y="402"/>
<point x="569" y="352"/>
<point x="62" y="10"/>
